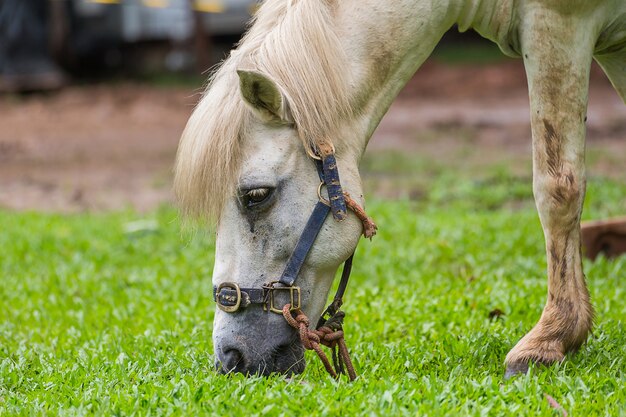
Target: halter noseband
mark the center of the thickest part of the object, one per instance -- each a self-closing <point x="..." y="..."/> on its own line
<point x="231" y="298"/>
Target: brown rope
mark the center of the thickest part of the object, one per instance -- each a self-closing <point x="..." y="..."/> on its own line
<point x="324" y="335"/>
<point x="369" y="227"/>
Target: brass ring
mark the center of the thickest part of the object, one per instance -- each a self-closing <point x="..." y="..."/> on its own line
<point x="319" y="194"/>
<point x="313" y="155"/>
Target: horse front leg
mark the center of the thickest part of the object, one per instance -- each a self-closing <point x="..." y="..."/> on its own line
<point x="557" y="56"/>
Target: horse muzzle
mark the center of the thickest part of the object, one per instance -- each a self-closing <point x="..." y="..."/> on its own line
<point x="259" y="344"/>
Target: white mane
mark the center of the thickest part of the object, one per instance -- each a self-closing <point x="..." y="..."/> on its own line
<point x="295" y="43"/>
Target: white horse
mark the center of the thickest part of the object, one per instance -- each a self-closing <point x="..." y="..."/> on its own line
<point x="314" y="72"/>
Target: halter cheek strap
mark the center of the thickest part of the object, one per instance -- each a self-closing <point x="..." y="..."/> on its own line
<point x="304" y="245"/>
<point x="330" y="177"/>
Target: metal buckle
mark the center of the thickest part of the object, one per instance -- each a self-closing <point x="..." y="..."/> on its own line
<point x="233" y="308"/>
<point x="294" y="297"/>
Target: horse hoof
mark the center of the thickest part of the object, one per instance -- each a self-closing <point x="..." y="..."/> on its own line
<point x="515" y="368"/>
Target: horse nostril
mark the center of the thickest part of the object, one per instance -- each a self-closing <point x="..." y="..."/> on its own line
<point x="232" y="360"/>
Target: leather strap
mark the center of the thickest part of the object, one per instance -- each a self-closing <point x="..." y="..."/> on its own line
<point x="337" y="302"/>
<point x="333" y="185"/>
<point x="228" y="296"/>
<point x="303" y="247"/>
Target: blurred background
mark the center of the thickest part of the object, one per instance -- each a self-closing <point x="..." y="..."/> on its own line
<point x="95" y="93"/>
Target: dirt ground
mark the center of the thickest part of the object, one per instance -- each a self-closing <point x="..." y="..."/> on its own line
<point x="112" y="146"/>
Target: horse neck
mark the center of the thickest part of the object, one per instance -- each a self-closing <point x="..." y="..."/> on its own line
<point x="386" y="45"/>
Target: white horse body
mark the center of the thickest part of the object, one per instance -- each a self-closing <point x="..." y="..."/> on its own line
<point x="359" y="54"/>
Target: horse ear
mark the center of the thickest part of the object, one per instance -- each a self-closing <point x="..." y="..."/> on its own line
<point x="264" y="96"/>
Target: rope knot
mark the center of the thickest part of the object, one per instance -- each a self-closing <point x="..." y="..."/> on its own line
<point x="330" y="334"/>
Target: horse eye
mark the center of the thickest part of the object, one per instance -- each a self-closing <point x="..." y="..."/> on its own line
<point x="255" y="196"/>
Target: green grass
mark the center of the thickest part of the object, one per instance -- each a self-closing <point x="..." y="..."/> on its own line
<point x="97" y="319"/>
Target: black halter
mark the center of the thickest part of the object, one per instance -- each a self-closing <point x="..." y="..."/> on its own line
<point x="231" y="298"/>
